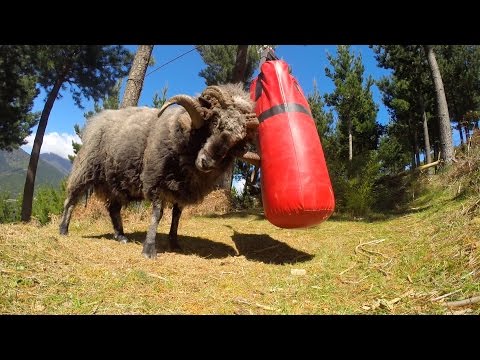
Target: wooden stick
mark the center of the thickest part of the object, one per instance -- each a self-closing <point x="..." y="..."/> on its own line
<point x="472" y="300"/>
<point x="350" y="268"/>
<point x="446" y="295"/>
<point x="424" y="167"/>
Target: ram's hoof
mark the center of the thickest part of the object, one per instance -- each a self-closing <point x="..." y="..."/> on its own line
<point x="149" y="251"/>
<point x="122" y="239"/>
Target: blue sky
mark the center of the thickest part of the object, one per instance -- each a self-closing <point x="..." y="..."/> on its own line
<point x="308" y="62"/>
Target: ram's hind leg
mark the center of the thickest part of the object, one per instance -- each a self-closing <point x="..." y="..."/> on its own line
<point x="149" y="246"/>
<point x="68" y="205"/>
<point x="172" y="236"/>
<point x="114" y="207"/>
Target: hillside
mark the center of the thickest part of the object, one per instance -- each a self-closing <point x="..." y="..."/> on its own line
<point x="13" y="168"/>
<point x="61" y="164"/>
<point x="422" y="261"/>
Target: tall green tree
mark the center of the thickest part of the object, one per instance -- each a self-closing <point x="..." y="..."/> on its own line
<point x="17" y="92"/>
<point x="157" y="100"/>
<point x="445" y="131"/>
<point x="221" y="63"/>
<point x="89" y="71"/>
<point x="323" y="119"/>
<point x="137" y="75"/>
<point x="353" y="101"/>
<point x="408" y="93"/>
<point x="460" y="66"/>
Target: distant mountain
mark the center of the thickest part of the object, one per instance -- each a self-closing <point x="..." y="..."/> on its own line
<point x="60" y="163"/>
<point x="13" y="169"/>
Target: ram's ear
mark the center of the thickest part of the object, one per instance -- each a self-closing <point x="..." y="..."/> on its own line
<point x="204" y="102"/>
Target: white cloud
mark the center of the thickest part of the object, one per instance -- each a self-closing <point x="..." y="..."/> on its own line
<point x="60" y="144"/>
<point x="239" y="185"/>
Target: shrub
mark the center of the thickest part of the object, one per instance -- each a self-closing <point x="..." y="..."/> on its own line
<point x="9" y="208"/>
<point x="48" y="200"/>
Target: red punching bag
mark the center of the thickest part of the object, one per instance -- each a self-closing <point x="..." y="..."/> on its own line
<point x="296" y="187"/>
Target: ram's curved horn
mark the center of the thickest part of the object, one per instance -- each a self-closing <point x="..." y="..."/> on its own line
<point x="193" y="107"/>
<point x="251" y="158"/>
<point x="223" y="97"/>
<point x="252" y="121"/>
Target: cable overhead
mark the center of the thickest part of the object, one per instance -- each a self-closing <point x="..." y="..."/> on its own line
<point x="178" y="57"/>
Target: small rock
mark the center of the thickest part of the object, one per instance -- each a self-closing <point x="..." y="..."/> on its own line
<point x="298" y="272"/>
<point x="39" y="307"/>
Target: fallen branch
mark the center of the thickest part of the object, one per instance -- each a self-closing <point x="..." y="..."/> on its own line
<point x="426" y="166"/>
<point x="471" y="208"/>
<point x="472" y="300"/>
<point x="350" y="268"/>
<point x="364" y="251"/>
<point x="446" y="295"/>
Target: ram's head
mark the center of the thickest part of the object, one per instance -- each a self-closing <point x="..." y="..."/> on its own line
<point x="227" y="112"/>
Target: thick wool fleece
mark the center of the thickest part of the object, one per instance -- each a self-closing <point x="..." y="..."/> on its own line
<point x="132" y="154"/>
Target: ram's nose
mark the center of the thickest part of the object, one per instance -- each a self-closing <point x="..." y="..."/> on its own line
<point x="203" y="164"/>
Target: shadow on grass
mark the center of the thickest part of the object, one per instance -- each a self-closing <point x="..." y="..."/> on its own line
<point x="259" y="215"/>
<point x="262" y="247"/>
<point x="190" y="245"/>
<point x="254" y="247"/>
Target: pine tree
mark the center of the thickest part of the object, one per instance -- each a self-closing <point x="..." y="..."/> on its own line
<point x="88" y="70"/>
<point x="446" y="142"/>
<point x="136" y="76"/>
<point x="410" y="85"/>
<point x="159" y="101"/>
<point x="221" y="61"/>
<point x="17" y="92"/>
<point x="353" y="101"/>
<point x="460" y="66"/>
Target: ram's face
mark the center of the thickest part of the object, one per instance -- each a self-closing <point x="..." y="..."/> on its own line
<point x="228" y="139"/>
<point x="226" y="112"/>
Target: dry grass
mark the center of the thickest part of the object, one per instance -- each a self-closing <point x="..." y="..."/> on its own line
<point x="238" y="263"/>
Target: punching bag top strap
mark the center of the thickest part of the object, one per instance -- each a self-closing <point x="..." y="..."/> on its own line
<point x="282" y="108"/>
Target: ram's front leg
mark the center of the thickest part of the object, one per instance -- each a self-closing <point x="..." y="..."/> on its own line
<point x="149" y="246"/>
<point x="172" y="236"/>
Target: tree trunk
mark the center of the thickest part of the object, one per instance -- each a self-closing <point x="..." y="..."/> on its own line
<point x="446" y="143"/>
<point x="460" y="131"/>
<point x="426" y="136"/>
<point x="240" y="64"/>
<point x="136" y="76"/>
<point x="350" y="140"/>
<point x="416" y="146"/>
<point x="225" y="181"/>
<point x="37" y="145"/>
